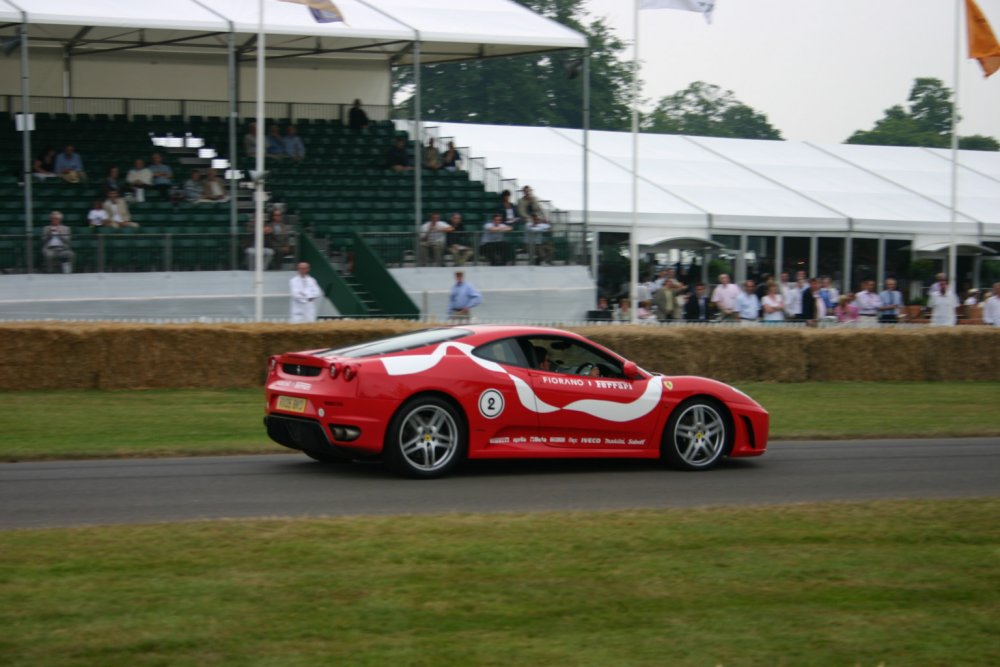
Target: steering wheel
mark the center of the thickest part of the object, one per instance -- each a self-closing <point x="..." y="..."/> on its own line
<point x="584" y="368"/>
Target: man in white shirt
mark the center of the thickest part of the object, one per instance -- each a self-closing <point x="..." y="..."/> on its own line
<point x="139" y="178"/>
<point x="433" y="238"/>
<point x="868" y="301"/>
<point x="118" y="213"/>
<point x="724" y="297"/>
<point x="991" y="307"/>
<point x="792" y="294"/>
<point x="305" y="292"/>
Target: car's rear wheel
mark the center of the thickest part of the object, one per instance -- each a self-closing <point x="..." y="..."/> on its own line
<point x="426" y="438"/>
<point x="697" y="435"/>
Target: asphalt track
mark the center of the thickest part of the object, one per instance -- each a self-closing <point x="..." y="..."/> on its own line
<point x="73" y="493"/>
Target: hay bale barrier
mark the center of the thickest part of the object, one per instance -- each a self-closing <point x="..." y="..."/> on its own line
<point x="42" y="356"/>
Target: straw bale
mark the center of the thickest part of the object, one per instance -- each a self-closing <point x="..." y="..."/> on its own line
<point x="865" y="355"/>
<point x="962" y="353"/>
<point x="50" y="357"/>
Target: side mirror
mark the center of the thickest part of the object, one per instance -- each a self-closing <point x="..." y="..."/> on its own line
<point x="630" y="369"/>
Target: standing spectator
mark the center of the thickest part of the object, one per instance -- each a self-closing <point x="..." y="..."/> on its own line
<point x="357" y="119"/>
<point x="462" y="299"/>
<point x="773" y="304"/>
<point x="528" y="204"/>
<point x="56" y="244"/>
<point x="304" y="293"/>
<point x="432" y="158"/>
<point x="748" y="303"/>
<point x="117" y="209"/>
<point x="163" y="176"/>
<point x="830" y="294"/>
<point x="494" y="241"/>
<point x="250" y="142"/>
<point x="624" y="311"/>
<point x="991" y="307"/>
<point x="139" y="178"/>
<point x="663" y="299"/>
<point x="194" y="189"/>
<point x="813" y="305"/>
<point x="943" y="303"/>
<point x="698" y="306"/>
<point x="846" y="309"/>
<point x="450" y="158"/>
<point x="892" y="300"/>
<point x="294" y="148"/>
<point x="791" y="292"/>
<point x="868" y="302"/>
<point x="275" y="144"/>
<point x="536" y="236"/>
<point x="433" y="237"/>
<point x="970" y="303"/>
<point x="98" y="217"/>
<point x="68" y="166"/>
<point x="397" y="158"/>
<point x="458" y="241"/>
<point x="110" y="183"/>
<point x="939" y="280"/>
<point x="724" y="297"/>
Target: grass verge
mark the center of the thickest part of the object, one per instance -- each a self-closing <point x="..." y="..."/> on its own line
<point x="883" y="583"/>
<point x="164" y="422"/>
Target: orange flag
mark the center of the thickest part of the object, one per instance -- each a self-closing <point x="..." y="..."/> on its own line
<point x="982" y="43"/>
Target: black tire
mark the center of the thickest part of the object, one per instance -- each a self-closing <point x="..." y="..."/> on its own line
<point x="698" y="434"/>
<point x="426" y="438"/>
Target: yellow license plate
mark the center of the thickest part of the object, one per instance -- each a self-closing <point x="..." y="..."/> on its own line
<point x="291" y="404"/>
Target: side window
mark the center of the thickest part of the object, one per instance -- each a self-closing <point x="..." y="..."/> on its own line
<point x="505" y="351"/>
<point x="570" y="357"/>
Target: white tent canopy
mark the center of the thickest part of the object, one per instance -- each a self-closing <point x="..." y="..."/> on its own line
<point x="447" y="29"/>
<point x="734" y="185"/>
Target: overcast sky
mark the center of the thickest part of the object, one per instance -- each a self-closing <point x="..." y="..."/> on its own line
<point x="819" y="69"/>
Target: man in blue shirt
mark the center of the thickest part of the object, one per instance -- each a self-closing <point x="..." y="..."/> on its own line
<point x="69" y="165"/>
<point x="462" y="299"/>
<point x="747" y="303"/>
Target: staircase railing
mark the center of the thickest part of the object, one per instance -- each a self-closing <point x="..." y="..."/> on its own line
<point x="334" y="287"/>
<point x="387" y="293"/>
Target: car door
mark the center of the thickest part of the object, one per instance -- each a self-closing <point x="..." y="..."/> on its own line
<point x="584" y="400"/>
<point x="506" y="413"/>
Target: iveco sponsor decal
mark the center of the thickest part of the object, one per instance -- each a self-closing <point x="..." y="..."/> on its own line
<point x="566" y="440"/>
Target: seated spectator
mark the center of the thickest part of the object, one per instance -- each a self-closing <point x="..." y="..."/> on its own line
<point x="433" y="238"/>
<point x="43" y="167"/>
<point x="275" y="146"/>
<point x="496" y="250"/>
<point x="458" y="241"/>
<point x="846" y="310"/>
<point x="56" y="244"/>
<point x="450" y="158"/>
<point x="163" y="176"/>
<point x="48" y="158"/>
<point x="213" y="189"/>
<point x="507" y="209"/>
<point x="267" y="250"/>
<point x="194" y="189"/>
<point x="68" y="165"/>
<point x="357" y="119"/>
<point x="139" y="178"/>
<point x="98" y="217"/>
<point x="281" y="233"/>
<point x="397" y="157"/>
<point x="118" y="214"/>
<point x="294" y="148"/>
<point x="537" y="237"/>
<point x="111" y="183"/>
<point x="432" y="158"/>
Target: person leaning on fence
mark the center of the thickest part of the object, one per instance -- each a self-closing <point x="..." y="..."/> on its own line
<point x="892" y="301"/>
<point x="56" y="244"/>
<point x="724" y="297"/>
<point x="462" y="299"/>
<point x="748" y="304"/>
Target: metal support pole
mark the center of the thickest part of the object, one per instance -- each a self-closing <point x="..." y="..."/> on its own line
<point x="234" y="257"/>
<point x="880" y="263"/>
<point x="633" y="238"/>
<point x="29" y="212"/>
<point x="417" y="152"/>
<point x="258" y="223"/>
<point x="586" y="156"/>
<point x="813" y="257"/>
<point x="952" y="251"/>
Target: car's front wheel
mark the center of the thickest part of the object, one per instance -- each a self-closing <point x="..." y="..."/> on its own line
<point x="426" y="438"/>
<point x="697" y="435"/>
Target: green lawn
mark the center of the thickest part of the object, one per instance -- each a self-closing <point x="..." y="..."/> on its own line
<point x="164" y="422"/>
<point x="885" y="583"/>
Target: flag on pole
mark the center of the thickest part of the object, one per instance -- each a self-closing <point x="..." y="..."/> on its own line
<point x="982" y="43"/>
<point x="323" y="11"/>
<point x="704" y="7"/>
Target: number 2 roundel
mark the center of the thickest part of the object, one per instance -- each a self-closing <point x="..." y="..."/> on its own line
<point x="491" y="403"/>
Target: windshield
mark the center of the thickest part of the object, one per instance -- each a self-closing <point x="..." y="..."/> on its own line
<point x="407" y="341"/>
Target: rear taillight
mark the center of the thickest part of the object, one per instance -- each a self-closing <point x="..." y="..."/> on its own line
<point x="271" y="364"/>
<point x="350" y="372"/>
<point x="334" y="369"/>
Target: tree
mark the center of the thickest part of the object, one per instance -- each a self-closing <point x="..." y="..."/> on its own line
<point x="927" y="122"/>
<point x="534" y="89"/>
<point x="704" y="109"/>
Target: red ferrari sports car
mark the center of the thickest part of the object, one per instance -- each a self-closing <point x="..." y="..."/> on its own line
<point x="426" y="400"/>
